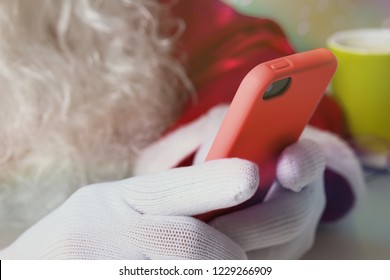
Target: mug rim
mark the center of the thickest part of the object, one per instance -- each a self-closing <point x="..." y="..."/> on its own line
<point x="335" y="41"/>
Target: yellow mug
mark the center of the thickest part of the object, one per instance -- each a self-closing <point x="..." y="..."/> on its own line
<point x="361" y="84"/>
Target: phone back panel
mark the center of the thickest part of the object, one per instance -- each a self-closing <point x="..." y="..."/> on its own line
<point x="257" y="129"/>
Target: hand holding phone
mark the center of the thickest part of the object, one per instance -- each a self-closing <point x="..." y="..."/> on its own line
<point x="273" y="104"/>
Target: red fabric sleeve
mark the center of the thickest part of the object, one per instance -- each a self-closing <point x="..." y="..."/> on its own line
<point x="222" y="46"/>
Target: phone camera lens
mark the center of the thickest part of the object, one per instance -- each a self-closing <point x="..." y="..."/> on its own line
<point x="277" y="88"/>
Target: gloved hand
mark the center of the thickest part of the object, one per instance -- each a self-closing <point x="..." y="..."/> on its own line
<point x="145" y="217"/>
<point x="142" y="218"/>
<point x="282" y="227"/>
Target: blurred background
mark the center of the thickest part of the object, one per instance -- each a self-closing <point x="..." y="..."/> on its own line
<point x="308" y="23"/>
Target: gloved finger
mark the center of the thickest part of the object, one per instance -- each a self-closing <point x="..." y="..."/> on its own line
<point x="300" y="164"/>
<point x="191" y="190"/>
<point x="169" y="151"/>
<point x="280" y="220"/>
<point x="339" y="158"/>
<point x="167" y="237"/>
<point x="294" y="249"/>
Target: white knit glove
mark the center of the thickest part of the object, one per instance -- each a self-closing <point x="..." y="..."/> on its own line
<point x="146" y="217"/>
<point x="284" y="226"/>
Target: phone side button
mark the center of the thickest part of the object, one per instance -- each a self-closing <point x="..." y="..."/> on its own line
<point x="279" y="65"/>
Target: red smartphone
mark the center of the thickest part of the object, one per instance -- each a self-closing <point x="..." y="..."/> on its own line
<point x="272" y="106"/>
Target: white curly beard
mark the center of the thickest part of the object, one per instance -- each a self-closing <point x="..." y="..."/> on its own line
<point x="84" y="86"/>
